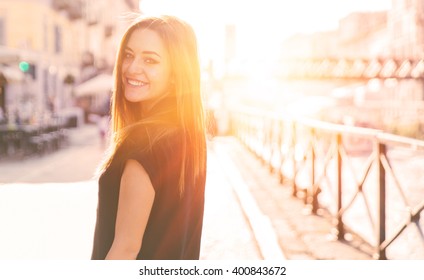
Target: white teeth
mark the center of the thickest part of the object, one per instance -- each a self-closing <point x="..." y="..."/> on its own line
<point x="135" y="82"/>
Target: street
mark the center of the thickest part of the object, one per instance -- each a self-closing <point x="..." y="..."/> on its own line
<point x="48" y="206"/>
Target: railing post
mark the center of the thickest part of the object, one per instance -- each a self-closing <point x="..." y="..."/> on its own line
<point x="293" y="143"/>
<point x="271" y="144"/>
<point x="280" y="152"/>
<point x="263" y="139"/>
<point x="381" y="177"/>
<point x="313" y="185"/>
<point x="249" y="131"/>
<point x="339" y="182"/>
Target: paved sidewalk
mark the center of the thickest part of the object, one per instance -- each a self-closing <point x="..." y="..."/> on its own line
<point x="227" y="234"/>
<point x="301" y="236"/>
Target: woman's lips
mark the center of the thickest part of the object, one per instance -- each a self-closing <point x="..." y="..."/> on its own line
<point x="136" y="83"/>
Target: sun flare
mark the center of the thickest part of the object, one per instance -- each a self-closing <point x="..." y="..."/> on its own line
<point x="260" y="27"/>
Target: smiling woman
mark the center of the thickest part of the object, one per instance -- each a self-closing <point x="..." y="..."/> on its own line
<point x="151" y="187"/>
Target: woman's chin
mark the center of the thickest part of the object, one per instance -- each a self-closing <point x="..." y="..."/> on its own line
<point x="134" y="97"/>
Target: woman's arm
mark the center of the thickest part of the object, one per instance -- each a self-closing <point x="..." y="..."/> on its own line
<point x="136" y="198"/>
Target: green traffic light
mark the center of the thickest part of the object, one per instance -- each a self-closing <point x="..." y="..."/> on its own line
<point x="24" y="66"/>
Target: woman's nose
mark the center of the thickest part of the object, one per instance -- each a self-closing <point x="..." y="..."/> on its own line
<point x="136" y="67"/>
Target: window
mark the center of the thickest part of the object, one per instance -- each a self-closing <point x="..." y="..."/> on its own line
<point x="57" y="39"/>
<point x="2" y="32"/>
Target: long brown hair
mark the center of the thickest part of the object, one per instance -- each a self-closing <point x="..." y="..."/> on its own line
<point x="180" y="41"/>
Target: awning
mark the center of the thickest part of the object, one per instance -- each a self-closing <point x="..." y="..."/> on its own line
<point x="8" y="55"/>
<point x="100" y="84"/>
<point x="11" y="74"/>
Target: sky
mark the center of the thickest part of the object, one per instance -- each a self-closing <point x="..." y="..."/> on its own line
<point x="260" y="25"/>
<point x="299" y="15"/>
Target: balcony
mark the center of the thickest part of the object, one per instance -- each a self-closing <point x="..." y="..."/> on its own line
<point x="72" y="8"/>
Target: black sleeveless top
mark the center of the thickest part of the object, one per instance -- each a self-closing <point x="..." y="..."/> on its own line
<point x="174" y="227"/>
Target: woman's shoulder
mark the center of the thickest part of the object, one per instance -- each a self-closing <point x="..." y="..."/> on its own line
<point x="152" y="139"/>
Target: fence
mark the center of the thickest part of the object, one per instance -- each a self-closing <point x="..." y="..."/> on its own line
<point x="332" y="166"/>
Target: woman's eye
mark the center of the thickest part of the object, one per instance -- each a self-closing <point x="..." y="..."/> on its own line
<point x="150" y="60"/>
<point x="128" y="55"/>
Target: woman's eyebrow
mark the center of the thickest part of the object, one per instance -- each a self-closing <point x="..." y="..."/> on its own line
<point x="143" y="52"/>
<point x="151" y="52"/>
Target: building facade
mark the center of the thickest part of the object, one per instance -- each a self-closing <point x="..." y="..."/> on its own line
<point x="47" y="47"/>
<point x="406" y="27"/>
<point x="392" y="36"/>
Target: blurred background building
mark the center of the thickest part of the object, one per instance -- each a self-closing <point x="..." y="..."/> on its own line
<point x="393" y="37"/>
<point x="49" y="52"/>
<point x="57" y="56"/>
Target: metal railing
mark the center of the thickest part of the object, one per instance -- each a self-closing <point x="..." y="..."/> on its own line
<point x="331" y="166"/>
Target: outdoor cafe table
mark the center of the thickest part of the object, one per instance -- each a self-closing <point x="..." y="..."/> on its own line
<point x="15" y="139"/>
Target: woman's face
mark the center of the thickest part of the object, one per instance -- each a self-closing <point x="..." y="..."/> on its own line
<point x="146" y="70"/>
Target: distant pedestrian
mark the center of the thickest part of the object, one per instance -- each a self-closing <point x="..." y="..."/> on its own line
<point x="103" y="127"/>
<point x="3" y="119"/>
<point x="212" y="127"/>
<point x="151" y="187"/>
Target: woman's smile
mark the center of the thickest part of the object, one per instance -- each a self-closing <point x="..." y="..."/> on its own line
<point x="136" y="83"/>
